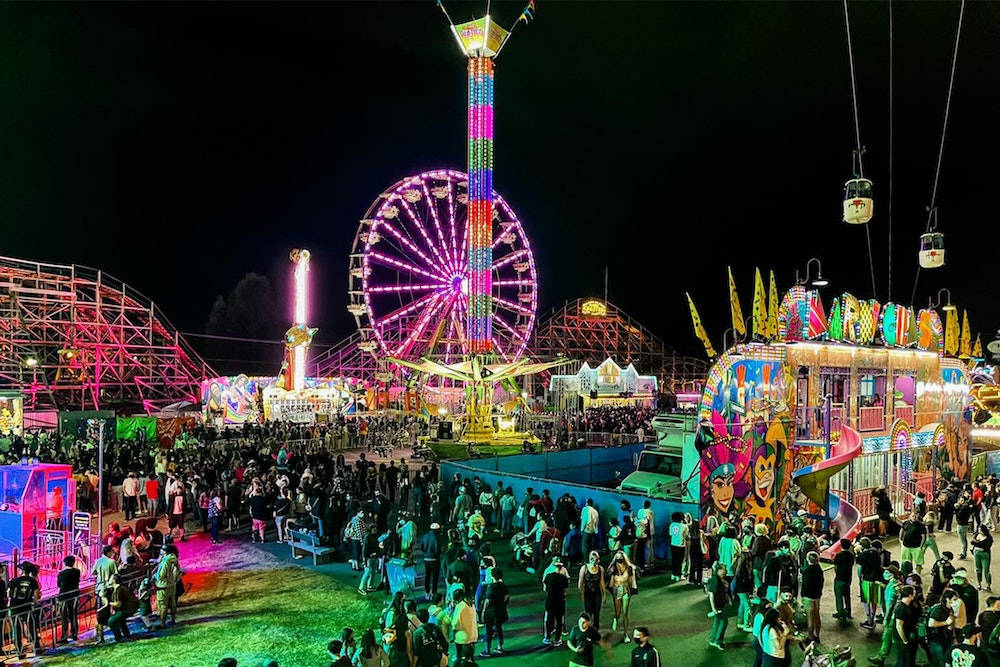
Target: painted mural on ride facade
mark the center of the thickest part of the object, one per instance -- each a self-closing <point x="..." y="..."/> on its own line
<point x="774" y="405"/>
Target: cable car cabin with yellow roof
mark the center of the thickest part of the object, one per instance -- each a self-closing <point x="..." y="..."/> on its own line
<point x="772" y="410"/>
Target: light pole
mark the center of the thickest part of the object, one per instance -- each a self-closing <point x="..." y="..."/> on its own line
<point x="819" y="280"/>
<point x="933" y="302"/>
<point x="100" y="479"/>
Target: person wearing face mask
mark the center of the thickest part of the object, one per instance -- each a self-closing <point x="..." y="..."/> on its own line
<point x="892" y="582"/>
<point x="905" y="615"/>
<point x="622" y="582"/>
<point x="941" y="627"/>
<point x="592" y="588"/>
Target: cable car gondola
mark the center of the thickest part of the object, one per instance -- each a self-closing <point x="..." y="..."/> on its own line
<point x="858" y="203"/>
<point x="931" y="250"/>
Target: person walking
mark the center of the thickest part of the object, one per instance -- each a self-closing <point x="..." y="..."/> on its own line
<point x="717" y="590"/>
<point x="581" y="642"/>
<point x="494" y="614"/>
<point x="678" y="545"/>
<point x="214" y="514"/>
<point x="963" y="515"/>
<point x="774" y="635"/>
<point x="696" y="551"/>
<point x="464" y="628"/>
<point x="982" y="547"/>
<point x="812" y="591"/>
<point x="430" y="545"/>
<point x="592" y="588"/>
<point x="555" y="583"/>
<point x="931" y="542"/>
<point x="165" y="578"/>
<point x="370" y="552"/>
<point x="130" y="493"/>
<point x="622" y="582"/>
<point x="104" y="569"/>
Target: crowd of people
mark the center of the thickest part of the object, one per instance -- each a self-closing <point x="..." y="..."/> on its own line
<point x="919" y="598"/>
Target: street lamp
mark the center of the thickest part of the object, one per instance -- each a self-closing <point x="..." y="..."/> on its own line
<point x="947" y="307"/>
<point x="819" y="280"/>
<point x="725" y="347"/>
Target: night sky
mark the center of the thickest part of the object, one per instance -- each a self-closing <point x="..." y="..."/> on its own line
<point x="178" y="146"/>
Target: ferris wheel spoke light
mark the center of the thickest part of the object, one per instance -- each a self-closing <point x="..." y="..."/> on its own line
<point x="432" y="207"/>
<point x="507" y="259"/>
<point x="509" y="305"/>
<point x="423" y="232"/>
<point x="406" y="310"/>
<point x="396" y="234"/>
<point x="403" y="265"/>
<point x="408" y="288"/>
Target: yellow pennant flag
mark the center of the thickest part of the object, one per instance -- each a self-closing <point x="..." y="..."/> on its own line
<point x="951" y="332"/>
<point x="977" y="349"/>
<point x="699" y="329"/>
<point x="739" y="326"/>
<point x="772" y="309"/>
<point x="759" y="306"/>
<point x="965" y="342"/>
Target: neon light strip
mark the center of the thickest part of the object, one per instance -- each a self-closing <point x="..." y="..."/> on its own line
<point x="403" y="265"/>
<point x="504" y="261"/>
<point x="423" y="232"/>
<point x="301" y="289"/>
<point x="480" y="208"/>
<point x="380" y="222"/>
<point x="408" y="288"/>
<point x="432" y="205"/>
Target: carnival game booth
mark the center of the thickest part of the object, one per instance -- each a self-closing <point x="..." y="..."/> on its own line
<point x="775" y="413"/>
<point x="36" y="516"/>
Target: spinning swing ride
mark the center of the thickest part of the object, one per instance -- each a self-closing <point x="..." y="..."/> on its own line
<point x="442" y="276"/>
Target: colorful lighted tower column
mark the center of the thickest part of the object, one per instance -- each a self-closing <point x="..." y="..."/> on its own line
<point x="299" y="336"/>
<point x="480" y="40"/>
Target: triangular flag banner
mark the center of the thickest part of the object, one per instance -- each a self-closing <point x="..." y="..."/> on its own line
<point x="977" y="349"/>
<point x="951" y="332"/>
<point x="817" y="318"/>
<point x="699" y="330"/>
<point x="836" y="321"/>
<point x="760" y="329"/>
<point x="965" y="342"/>
<point x="772" y="309"/>
<point x="739" y="326"/>
<point x="912" y="335"/>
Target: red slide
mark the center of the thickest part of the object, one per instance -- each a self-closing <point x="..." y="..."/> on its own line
<point x="814" y="480"/>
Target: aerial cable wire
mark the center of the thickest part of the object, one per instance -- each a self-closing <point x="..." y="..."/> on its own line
<point x="857" y="134"/>
<point x="932" y="208"/>
<point x="891" y="135"/>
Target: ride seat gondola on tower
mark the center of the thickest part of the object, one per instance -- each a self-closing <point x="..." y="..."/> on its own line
<point x="858" y="203"/>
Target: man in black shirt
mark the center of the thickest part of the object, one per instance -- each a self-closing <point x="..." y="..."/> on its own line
<point x="905" y="616"/>
<point x="968" y="653"/>
<point x="555" y="583"/>
<point x="582" y="638"/>
<point x="913" y="535"/>
<point x="988" y="621"/>
<point x="963" y="514"/>
<point x="870" y="562"/>
<point x="429" y="643"/>
<point x="941" y="572"/>
<point x="644" y="654"/>
<point x="843" y="566"/>
<point x="68" y="580"/>
<point x="25" y="593"/>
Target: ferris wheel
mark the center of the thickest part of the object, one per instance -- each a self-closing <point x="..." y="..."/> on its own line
<point x="409" y="269"/>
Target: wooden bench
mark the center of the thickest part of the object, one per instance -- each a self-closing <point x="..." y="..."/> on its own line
<point x="303" y="543"/>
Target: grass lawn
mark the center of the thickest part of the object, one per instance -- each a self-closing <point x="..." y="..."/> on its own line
<point x="460" y="451"/>
<point x="282" y="612"/>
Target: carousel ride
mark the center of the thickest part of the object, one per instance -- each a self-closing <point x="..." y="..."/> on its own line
<point x="442" y="283"/>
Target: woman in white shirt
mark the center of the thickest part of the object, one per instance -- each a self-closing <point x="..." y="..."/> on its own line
<point x="773" y="637"/>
